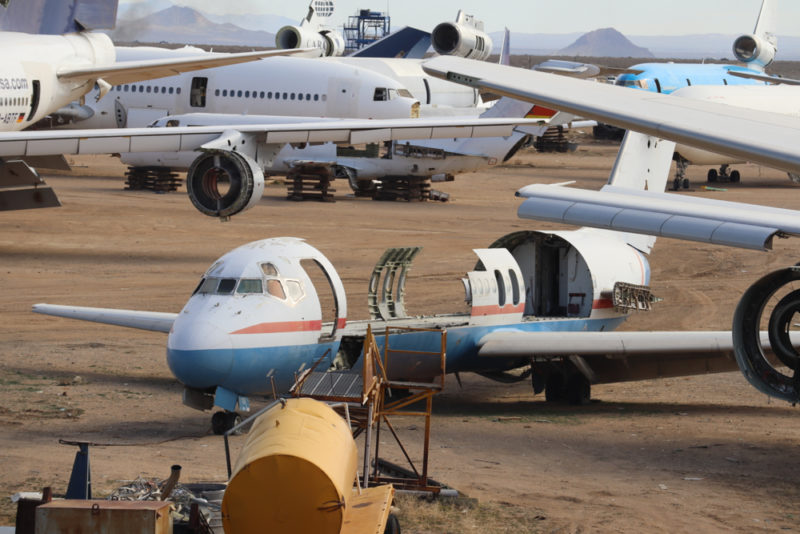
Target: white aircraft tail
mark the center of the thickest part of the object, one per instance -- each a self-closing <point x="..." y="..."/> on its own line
<point x="505" y="52"/>
<point x="766" y="23"/>
<point x="319" y="13"/>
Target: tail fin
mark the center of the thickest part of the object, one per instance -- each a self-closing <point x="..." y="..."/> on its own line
<point x="765" y="25"/>
<point x="55" y="17"/>
<point x="319" y="12"/>
<point x="505" y="52"/>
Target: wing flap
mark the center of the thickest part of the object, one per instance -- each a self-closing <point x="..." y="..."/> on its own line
<point x="153" y="321"/>
<point x="504" y="344"/>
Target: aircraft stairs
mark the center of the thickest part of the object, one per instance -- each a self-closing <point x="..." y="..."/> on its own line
<point x="374" y="399"/>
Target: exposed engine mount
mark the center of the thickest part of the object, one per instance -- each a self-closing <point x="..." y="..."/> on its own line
<point x="756" y="51"/>
<point x="223" y="183"/>
<point x="328" y="42"/>
<point x="464" y="37"/>
<point x="747" y="342"/>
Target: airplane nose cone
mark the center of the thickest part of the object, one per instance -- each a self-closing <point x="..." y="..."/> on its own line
<point x="199" y="354"/>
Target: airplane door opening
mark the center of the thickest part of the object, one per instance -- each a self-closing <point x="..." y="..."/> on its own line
<point x="328" y="301"/>
<point x="197" y="95"/>
<point x="37" y="91"/>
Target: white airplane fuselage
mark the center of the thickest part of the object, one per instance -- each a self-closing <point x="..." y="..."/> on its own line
<point x="29" y="85"/>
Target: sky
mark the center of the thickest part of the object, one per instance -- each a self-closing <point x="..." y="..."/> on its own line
<point x="631" y="17"/>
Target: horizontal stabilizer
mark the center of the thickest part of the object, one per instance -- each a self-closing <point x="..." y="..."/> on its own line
<point x="660" y="214"/>
<point x="777" y="80"/>
<point x="135" y="71"/>
<point x="408" y="42"/>
<point x="154" y="321"/>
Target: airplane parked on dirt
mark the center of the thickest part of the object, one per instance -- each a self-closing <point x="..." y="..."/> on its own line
<point x="51" y="59"/>
<point x="771" y="303"/>
<point x="541" y="300"/>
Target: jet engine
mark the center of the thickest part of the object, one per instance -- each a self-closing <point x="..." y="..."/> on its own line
<point x="771" y="304"/>
<point x="223" y="183"/>
<point x="328" y="42"/>
<point x="464" y="37"/>
<point x="756" y="51"/>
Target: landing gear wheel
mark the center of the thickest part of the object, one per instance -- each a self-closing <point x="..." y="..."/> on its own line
<point x="685" y="183"/>
<point x="781" y="320"/>
<point x="579" y="391"/>
<point x="735" y="177"/>
<point x="392" y="525"/>
<point x="554" y="387"/>
<point x="712" y="175"/>
<point x="221" y="422"/>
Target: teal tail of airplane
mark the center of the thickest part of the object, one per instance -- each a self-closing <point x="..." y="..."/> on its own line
<point x="55" y="17"/>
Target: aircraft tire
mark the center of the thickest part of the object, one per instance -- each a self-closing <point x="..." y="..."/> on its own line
<point x="554" y="388"/>
<point x="579" y="391"/>
<point x="218" y="423"/>
<point x="712" y="175"/>
<point x="685" y="183"/>
<point x="735" y="177"/>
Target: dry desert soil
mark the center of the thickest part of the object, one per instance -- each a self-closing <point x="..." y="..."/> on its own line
<point x="695" y="454"/>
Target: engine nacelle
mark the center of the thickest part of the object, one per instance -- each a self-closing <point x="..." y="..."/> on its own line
<point x="328" y="42"/>
<point x="464" y="37"/>
<point x="756" y="51"/>
<point x="223" y="183"/>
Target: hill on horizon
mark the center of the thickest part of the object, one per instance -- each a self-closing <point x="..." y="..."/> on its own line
<point x="188" y="26"/>
<point x="606" y="42"/>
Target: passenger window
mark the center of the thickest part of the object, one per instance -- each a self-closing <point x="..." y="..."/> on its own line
<point x="316" y="98"/>
<point x="308" y="96"/>
<point x="514" y="287"/>
<point x="216" y="92"/>
<point x="125" y="88"/>
<point x="247" y="94"/>
<point x="163" y="90"/>
<point x="292" y="96"/>
<point x="268" y="269"/>
<point x="141" y="88"/>
<point x="171" y="90"/>
<point x="224" y="92"/>
<point x="226" y="286"/>
<point x="286" y="96"/>
<point x="250" y="285"/>
<point x="501" y="289"/>
<point x="295" y="290"/>
<point x="149" y="89"/>
<point x="275" y="288"/>
<point x="261" y="95"/>
<point x="269" y="94"/>
<point x="178" y="91"/>
<point x="239" y="94"/>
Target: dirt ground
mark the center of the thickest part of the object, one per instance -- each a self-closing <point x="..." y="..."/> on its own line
<point x="698" y="454"/>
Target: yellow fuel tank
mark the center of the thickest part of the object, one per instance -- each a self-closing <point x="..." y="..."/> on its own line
<point x="294" y="473"/>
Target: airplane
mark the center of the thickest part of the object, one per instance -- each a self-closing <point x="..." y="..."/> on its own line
<point x="546" y="301"/>
<point x="226" y="175"/>
<point x="756" y="51"/>
<point x="60" y="63"/>
<point x="762" y="137"/>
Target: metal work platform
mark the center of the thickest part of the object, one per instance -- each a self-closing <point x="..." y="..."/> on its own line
<point x="373" y="399"/>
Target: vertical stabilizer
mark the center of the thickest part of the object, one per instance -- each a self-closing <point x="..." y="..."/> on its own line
<point x="765" y="25"/>
<point x="55" y="17"/>
<point x="505" y="52"/>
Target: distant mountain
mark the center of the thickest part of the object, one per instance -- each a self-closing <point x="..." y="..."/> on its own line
<point x="264" y="23"/>
<point x="605" y="42"/>
<point x="141" y="9"/>
<point x="185" y="25"/>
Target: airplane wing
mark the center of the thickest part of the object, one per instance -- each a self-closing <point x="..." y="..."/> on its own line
<point x="763" y="77"/>
<point x="135" y="71"/>
<point x="503" y="344"/>
<point x="762" y="137"/>
<point x="355" y="131"/>
<point x="154" y="321"/>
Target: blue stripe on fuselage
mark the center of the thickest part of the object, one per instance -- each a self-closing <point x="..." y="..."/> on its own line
<point x="248" y="375"/>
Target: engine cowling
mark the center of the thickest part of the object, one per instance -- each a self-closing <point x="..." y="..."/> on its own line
<point x="464" y="38"/>
<point x="773" y="295"/>
<point x="756" y="51"/>
<point x="328" y="42"/>
<point x="223" y="183"/>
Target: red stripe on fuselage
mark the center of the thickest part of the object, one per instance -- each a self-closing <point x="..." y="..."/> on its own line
<point x="600" y="304"/>
<point x="496" y="310"/>
<point x="281" y="328"/>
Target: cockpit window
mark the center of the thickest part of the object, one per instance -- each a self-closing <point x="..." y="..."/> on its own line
<point x="275" y="288"/>
<point x="295" y="290"/>
<point x="268" y="269"/>
<point x="250" y="285"/>
<point x="226" y="286"/>
<point x="381" y="94"/>
<point x="209" y="285"/>
<point x="405" y="93"/>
